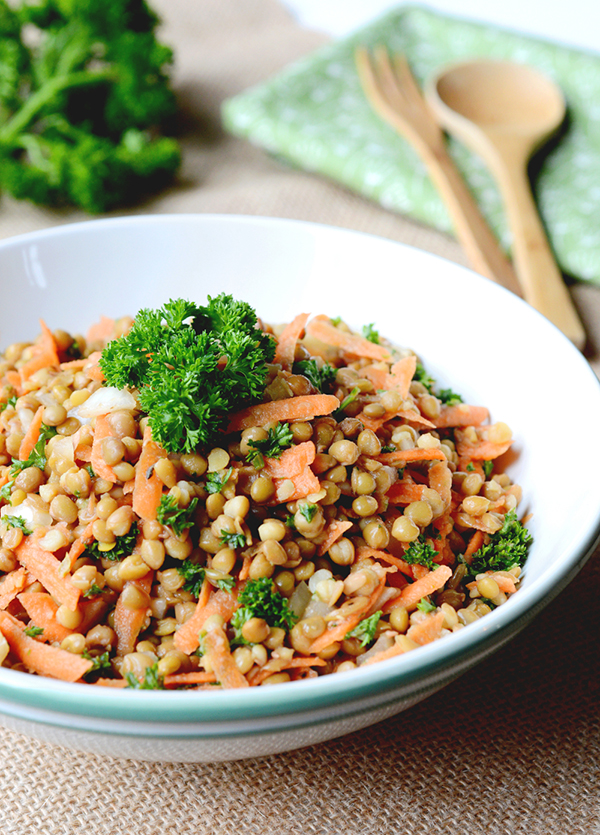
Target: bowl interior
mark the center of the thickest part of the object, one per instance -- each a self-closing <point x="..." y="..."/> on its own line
<point x="471" y="335"/>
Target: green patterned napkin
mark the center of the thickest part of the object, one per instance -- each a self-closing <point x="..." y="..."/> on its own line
<point x="314" y="115"/>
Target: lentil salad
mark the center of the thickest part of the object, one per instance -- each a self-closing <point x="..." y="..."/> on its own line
<point x="351" y="513"/>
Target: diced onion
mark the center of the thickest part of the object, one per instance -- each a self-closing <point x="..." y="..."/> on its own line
<point x="103" y="402"/>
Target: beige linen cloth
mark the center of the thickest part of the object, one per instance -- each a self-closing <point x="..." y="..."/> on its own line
<point x="512" y="747"/>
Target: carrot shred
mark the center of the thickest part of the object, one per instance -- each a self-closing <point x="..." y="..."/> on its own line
<point x="304" y="484"/>
<point x="13" y="378"/>
<point x="118" y="683"/>
<point x="339" y="632"/>
<point x="405" y="492"/>
<point x="401" y="374"/>
<point x="305" y="407"/>
<point x="257" y="677"/>
<point x="196" y="677"/>
<point x="45" y="567"/>
<point x="320" y="328"/>
<point x="292" y="461"/>
<point x="216" y="649"/>
<point x="12" y="584"/>
<point x="461" y="415"/>
<point x="427" y="630"/>
<point x="30" y="438"/>
<point x="333" y="532"/>
<point x="364" y="551"/>
<point x="209" y="603"/>
<point x="148" y="487"/>
<point x="286" y="344"/>
<point x="433" y="580"/>
<point x="401" y="456"/>
<point x="440" y="480"/>
<point x="102" y="430"/>
<point x="44" y="353"/>
<point x="245" y="569"/>
<point x="128" y="622"/>
<point x="42" y="609"/>
<point x="475" y="544"/>
<point x="101" y="331"/>
<point x="39" y="657"/>
<point x="391" y="652"/>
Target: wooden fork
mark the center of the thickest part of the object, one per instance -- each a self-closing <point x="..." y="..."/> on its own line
<point x="394" y="94"/>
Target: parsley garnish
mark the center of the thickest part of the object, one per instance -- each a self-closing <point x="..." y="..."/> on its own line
<point x="449" y="397"/>
<point x="507" y="547"/>
<point x="340" y="413"/>
<point x="123" y="546"/>
<point x="322" y="377"/>
<point x="308" y="511"/>
<point x="388" y="448"/>
<point x="365" y="630"/>
<point x="193" y="575"/>
<point x="488" y="467"/>
<point x="233" y="540"/>
<point x="37" y="457"/>
<point x="99" y="662"/>
<point x="91" y="472"/>
<point x="12" y="401"/>
<point x="192" y="367"/>
<point x="421" y="376"/>
<point x="179" y="519"/>
<point x="278" y="439"/>
<point x="470" y="467"/>
<point x="17" y="522"/>
<point x="215" y="482"/>
<point x="33" y="631"/>
<point x="93" y="591"/>
<point x="259" y="599"/>
<point x="425" y="605"/>
<point x="5" y="490"/>
<point x="370" y="333"/>
<point x="420" y="552"/>
<point x="151" y="681"/>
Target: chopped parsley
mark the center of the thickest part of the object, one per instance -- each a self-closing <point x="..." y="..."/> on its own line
<point x="365" y="630"/>
<point x="322" y="377"/>
<point x="340" y="413"/>
<point x="123" y="546"/>
<point x="17" y="522"/>
<point x="420" y="552"/>
<point x="506" y="548"/>
<point x="259" y="599"/>
<point x="99" y="662"/>
<point x="233" y="540"/>
<point x="308" y="511"/>
<point x="93" y="591"/>
<point x="151" y="681"/>
<point x="12" y="401"/>
<point x="449" y="397"/>
<point x="179" y="519"/>
<point x="278" y="439"/>
<point x="194" y="576"/>
<point x="389" y="448"/>
<point x="488" y="467"/>
<point x="421" y="376"/>
<point x="33" y="631"/>
<point x="90" y="471"/>
<point x="425" y="605"/>
<point x="192" y="367"/>
<point x="470" y="467"/>
<point x="370" y="333"/>
<point x="37" y="458"/>
<point x="215" y="482"/>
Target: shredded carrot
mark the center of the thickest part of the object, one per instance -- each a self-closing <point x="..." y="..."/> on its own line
<point x="45" y="567"/>
<point x="475" y="544"/>
<point x="440" y="480"/>
<point x="77" y="548"/>
<point x="93" y="612"/>
<point x="292" y="461"/>
<point x="13" y="378"/>
<point x="257" y="677"/>
<point x="333" y="532"/>
<point x="483" y="451"/>
<point x="286" y="344"/>
<point x="461" y="415"/>
<point x="42" y="609"/>
<point x="128" y="622"/>
<point x="320" y="328"/>
<point x="402" y="373"/>
<point x="118" y="683"/>
<point x="402" y="456"/>
<point x="148" y="487"/>
<point x="103" y="429"/>
<point x="339" y="631"/>
<point x="364" y="551"/>
<point x="44" y="353"/>
<point x="196" y="677"/>
<point x="216" y="649"/>
<point x="391" y="652"/>
<point x="39" y="657"/>
<point x="434" y="580"/>
<point x="101" y="331"/>
<point x="427" y="630"/>
<point x="209" y="603"/>
<point x="30" y="438"/>
<point x="245" y="569"/>
<point x="505" y="584"/>
<point x="306" y="407"/>
<point x="12" y="584"/>
<point x="405" y="492"/>
<point x="304" y="485"/>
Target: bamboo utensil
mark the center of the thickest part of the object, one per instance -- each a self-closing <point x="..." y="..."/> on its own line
<point x="505" y="111"/>
<point x="393" y="93"/>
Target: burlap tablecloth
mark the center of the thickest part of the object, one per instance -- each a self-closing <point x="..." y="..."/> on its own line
<point x="511" y="747"/>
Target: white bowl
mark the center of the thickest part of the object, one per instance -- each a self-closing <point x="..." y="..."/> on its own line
<point x="471" y="334"/>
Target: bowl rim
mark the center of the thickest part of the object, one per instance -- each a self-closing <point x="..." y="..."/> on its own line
<point x="308" y="695"/>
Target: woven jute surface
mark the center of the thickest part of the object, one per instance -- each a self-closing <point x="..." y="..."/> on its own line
<point x="511" y="747"/>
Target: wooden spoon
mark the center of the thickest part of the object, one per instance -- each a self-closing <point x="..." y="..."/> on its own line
<point x="504" y="111"/>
